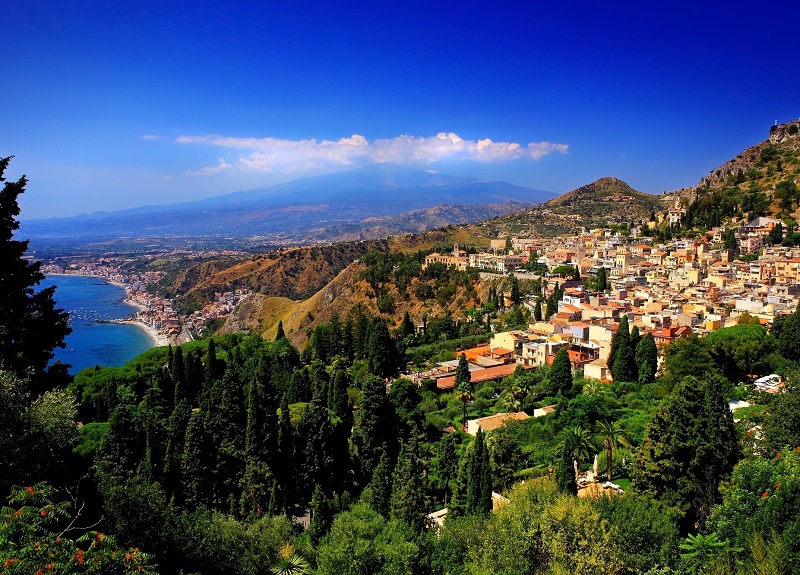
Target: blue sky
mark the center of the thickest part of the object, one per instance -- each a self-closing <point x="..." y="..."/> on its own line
<point x="108" y="105"/>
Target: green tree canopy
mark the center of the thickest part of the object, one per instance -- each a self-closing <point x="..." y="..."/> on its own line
<point x="690" y="446"/>
<point x="560" y="376"/>
<point x="31" y="326"/>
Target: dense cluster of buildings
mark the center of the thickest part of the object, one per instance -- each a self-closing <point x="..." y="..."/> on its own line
<point x="669" y="290"/>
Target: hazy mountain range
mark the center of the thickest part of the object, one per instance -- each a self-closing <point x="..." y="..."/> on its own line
<point x="372" y="201"/>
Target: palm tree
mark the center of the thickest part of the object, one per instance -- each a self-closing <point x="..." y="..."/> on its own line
<point x="578" y="442"/>
<point x="464" y="395"/>
<point x="290" y="562"/>
<point x="613" y="436"/>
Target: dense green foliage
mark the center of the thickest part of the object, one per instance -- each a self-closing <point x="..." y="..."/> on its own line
<point x="30" y="325"/>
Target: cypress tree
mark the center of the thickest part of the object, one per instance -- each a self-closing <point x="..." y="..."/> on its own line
<point x="347" y="340"/>
<point x="601" y="281"/>
<point x="318" y="453"/>
<point x="623" y="354"/>
<point x="322" y="513"/>
<point x="478" y="493"/>
<point x="338" y="400"/>
<point x="382" y="350"/>
<point x="378" y="493"/>
<point x="408" y="493"/>
<point x="280" y="334"/>
<point x="284" y="469"/>
<point x="196" y="469"/>
<point x="516" y="296"/>
<point x="646" y="359"/>
<point x="178" y="373"/>
<point x="371" y="435"/>
<point x="252" y="436"/>
<point x="789" y="338"/>
<point x="561" y="372"/>
<point x="537" y="311"/>
<point x="565" y="471"/>
<point x="463" y="375"/>
<point x="446" y="462"/>
<point x="194" y="377"/>
<point x="212" y="366"/>
<point x="634" y="341"/>
<point x="300" y="390"/>
<point x="176" y="435"/>
<point x="406" y="326"/>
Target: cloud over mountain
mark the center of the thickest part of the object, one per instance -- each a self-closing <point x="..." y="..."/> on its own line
<point x="275" y="154"/>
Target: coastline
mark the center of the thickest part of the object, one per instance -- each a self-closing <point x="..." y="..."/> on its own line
<point x="158" y="339"/>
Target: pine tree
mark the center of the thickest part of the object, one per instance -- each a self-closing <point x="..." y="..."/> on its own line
<point x="30" y="325"/>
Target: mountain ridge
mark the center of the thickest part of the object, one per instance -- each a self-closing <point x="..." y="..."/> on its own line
<point x="302" y="210"/>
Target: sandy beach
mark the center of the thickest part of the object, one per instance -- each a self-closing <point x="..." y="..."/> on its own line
<point x="159" y="339"/>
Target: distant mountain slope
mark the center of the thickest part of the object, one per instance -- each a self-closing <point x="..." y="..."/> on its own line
<point x="604" y="197"/>
<point x="762" y="180"/>
<point x="322" y="208"/>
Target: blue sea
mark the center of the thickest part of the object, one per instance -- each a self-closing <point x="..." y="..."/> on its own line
<point x="90" y="343"/>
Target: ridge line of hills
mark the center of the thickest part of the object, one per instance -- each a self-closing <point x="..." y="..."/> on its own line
<point x="304" y="273"/>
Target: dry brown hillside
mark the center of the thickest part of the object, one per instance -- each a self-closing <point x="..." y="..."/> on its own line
<point x="346" y="295"/>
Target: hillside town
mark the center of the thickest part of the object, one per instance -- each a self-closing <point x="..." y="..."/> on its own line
<point x="669" y="290"/>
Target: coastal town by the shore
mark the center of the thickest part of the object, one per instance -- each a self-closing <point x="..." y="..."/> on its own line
<point x="156" y="315"/>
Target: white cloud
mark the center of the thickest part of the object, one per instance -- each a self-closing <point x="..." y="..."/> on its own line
<point x="221" y="166"/>
<point x="539" y="149"/>
<point x="151" y="137"/>
<point x="292" y="156"/>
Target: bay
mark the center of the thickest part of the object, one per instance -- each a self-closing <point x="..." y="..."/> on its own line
<point x="89" y="299"/>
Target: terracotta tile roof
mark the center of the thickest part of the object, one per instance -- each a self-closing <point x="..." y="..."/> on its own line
<point x="480" y="375"/>
<point x="498" y="420"/>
